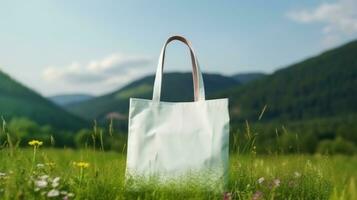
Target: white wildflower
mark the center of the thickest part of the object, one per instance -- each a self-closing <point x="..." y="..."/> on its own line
<point x="56" y="179"/>
<point x="55" y="184"/>
<point x="53" y="193"/>
<point x="297" y="174"/>
<point x="2" y="174"/>
<point x="41" y="183"/>
<point x="261" y="180"/>
<point x="70" y="194"/>
<point x="63" y="192"/>
<point x="40" y="165"/>
<point x="276" y="182"/>
<point x="44" y="177"/>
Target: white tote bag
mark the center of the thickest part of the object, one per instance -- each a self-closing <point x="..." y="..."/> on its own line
<point x="173" y="140"/>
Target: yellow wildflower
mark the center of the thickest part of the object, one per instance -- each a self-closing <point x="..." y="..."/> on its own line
<point x="82" y="165"/>
<point x="35" y="143"/>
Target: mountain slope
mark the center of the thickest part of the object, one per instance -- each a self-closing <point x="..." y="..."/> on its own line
<point x="322" y="86"/>
<point x="17" y="100"/>
<point x="176" y="87"/>
<point x="248" y="77"/>
<point x="66" y="99"/>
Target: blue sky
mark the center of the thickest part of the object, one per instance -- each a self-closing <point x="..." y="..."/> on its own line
<point x="97" y="46"/>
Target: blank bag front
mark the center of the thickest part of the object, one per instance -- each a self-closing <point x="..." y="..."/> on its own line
<point x="174" y="141"/>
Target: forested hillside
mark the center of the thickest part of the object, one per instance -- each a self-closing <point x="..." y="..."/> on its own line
<point x="248" y="77"/>
<point x="17" y="100"/>
<point x="319" y="87"/>
<point x="310" y="106"/>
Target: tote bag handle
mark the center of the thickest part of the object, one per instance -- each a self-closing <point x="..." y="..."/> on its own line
<point x="198" y="87"/>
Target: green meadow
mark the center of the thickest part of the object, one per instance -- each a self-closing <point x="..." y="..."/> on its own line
<point x="94" y="174"/>
<point x="36" y="168"/>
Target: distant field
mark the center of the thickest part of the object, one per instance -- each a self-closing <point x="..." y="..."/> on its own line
<point x="252" y="177"/>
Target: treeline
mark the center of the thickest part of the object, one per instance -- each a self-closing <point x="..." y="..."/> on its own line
<point x="19" y="131"/>
<point x="337" y="135"/>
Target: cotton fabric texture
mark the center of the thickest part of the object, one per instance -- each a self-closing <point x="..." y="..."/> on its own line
<point x="171" y="141"/>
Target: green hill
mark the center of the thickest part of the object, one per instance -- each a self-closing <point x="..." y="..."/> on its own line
<point x="66" y="99"/>
<point x="176" y="87"/>
<point x="248" y="77"/>
<point x="310" y="106"/>
<point x="17" y="100"/>
<point x="319" y="87"/>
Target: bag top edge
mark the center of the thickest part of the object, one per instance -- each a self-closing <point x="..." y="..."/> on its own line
<point x="167" y="102"/>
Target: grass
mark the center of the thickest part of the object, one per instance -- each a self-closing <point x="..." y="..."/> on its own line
<point x="92" y="173"/>
<point x="251" y="177"/>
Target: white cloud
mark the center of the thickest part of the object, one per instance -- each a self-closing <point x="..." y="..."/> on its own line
<point x="104" y="75"/>
<point x="339" y="19"/>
